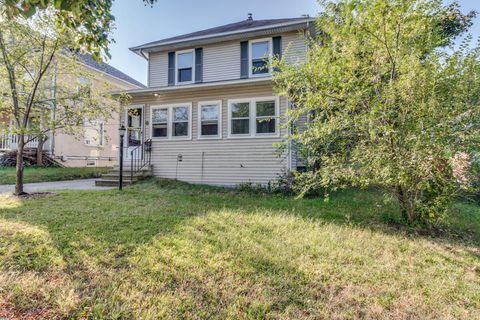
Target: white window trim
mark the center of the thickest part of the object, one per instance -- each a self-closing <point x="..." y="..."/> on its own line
<point x="176" y="67"/>
<point x="170" y="121"/>
<point x="152" y="124"/>
<point x="199" y="126"/>
<point x="99" y="143"/>
<point x="250" y="57"/>
<point x="253" y="118"/>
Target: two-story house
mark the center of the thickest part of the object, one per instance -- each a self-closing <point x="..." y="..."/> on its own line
<point x="210" y="109"/>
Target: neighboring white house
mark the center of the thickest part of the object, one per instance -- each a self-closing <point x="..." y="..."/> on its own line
<point x="210" y="109"/>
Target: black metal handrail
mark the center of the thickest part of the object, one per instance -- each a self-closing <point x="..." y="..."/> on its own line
<point x="140" y="157"/>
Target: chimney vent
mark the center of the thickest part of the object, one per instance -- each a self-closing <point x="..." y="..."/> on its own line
<point x="250" y="17"/>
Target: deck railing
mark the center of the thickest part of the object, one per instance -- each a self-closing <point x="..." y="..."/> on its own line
<point x="9" y="142"/>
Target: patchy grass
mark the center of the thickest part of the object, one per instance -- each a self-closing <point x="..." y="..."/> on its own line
<point x="164" y="249"/>
<point x="40" y="174"/>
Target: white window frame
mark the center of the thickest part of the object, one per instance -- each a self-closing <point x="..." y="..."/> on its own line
<point x="170" y="121"/>
<point x="199" y="126"/>
<point x="250" y="57"/>
<point x="151" y="122"/>
<point x="192" y="51"/>
<point x="99" y="127"/>
<point x="253" y="118"/>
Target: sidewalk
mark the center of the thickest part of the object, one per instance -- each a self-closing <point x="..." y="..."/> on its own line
<point x="84" y="184"/>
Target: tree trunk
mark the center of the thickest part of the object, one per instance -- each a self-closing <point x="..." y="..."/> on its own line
<point x="19" y="168"/>
<point x="406" y="201"/>
<point x="41" y="142"/>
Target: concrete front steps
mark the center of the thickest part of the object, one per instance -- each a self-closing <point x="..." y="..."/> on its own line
<point x="111" y="179"/>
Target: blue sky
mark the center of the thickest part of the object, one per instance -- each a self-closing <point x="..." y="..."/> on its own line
<point x="137" y="24"/>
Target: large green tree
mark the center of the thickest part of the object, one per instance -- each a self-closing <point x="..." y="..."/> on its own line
<point x="88" y="21"/>
<point x="390" y="102"/>
<point x="41" y="86"/>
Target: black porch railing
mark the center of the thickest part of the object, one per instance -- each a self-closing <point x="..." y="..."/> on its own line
<point x="140" y="157"/>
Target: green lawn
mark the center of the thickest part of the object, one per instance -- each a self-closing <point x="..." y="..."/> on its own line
<point x="163" y="249"/>
<point x="39" y="174"/>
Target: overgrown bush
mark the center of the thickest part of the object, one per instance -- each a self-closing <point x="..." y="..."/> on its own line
<point x="388" y="105"/>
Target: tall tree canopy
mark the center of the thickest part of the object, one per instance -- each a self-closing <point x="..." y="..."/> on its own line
<point x="89" y="21"/>
<point x="388" y="105"/>
<point x="43" y="88"/>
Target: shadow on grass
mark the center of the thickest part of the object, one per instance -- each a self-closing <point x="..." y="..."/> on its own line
<point x="120" y="221"/>
<point x="361" y="208"/>
<point x="222" y="250"/>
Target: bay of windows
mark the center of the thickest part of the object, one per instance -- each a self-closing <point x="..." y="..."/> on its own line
<point x="252" y="117"/>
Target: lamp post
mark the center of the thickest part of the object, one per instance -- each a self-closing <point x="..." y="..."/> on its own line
<point x="122" y="135"/>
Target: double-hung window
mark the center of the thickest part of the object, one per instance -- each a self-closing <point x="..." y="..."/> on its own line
<point x="185" y="70"/>
<point x="240" y="118"/>
<point x="171" y="121"/>
<point x="254" y="117"/>
<point x="160" y="122"/>
<point x="180" y="121"/>
<point x="260" y="53"/>
<point x="265" y="117"/>
<point x="210" y="119"/>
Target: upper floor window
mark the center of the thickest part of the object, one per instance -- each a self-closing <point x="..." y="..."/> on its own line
<point x="210" y="119"/>
<point x="260" y="53"/>
<point x="185" y="70"/>
<point x="84" y="85"/>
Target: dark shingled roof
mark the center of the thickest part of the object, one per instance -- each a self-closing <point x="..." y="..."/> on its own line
<point x="237" y="26"/>
<point x="108" y="69"/>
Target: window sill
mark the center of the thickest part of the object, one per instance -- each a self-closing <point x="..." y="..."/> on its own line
<point x="258" y="136"/>
<point x="263" y="75"/>
<point x="184" y="83"/>
<point x="172" y="139"/>
<point x="209" y="138"/>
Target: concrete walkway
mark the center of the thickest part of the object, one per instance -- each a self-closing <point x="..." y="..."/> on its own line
<point x="85" y="184"/>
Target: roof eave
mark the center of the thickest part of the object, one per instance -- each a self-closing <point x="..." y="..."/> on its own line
<point x="294" y="25"/>
<point x="198" y="86"/>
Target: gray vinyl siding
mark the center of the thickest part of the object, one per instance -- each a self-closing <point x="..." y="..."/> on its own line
<point x="221" y="61"/>
<point x="296" y="157"/>
<point x="294" y="47"/>
<point x="222" y="161"/>
<point x="158" y="69"/>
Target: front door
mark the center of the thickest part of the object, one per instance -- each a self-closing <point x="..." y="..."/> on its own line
<point x="134" y="133"/>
